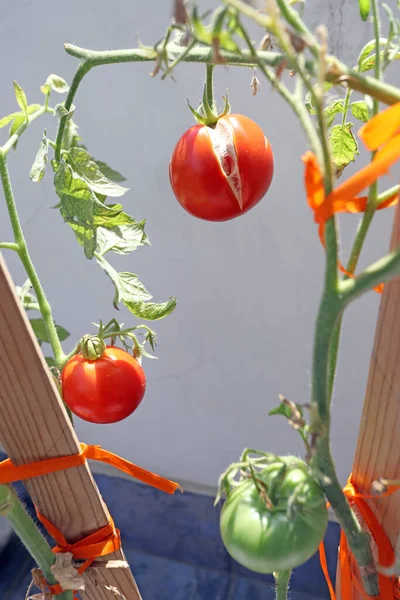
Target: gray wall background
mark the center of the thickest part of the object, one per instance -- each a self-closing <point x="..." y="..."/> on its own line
<point x="247" y="290"/>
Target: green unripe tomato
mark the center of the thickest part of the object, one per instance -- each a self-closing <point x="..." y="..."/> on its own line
<point x="277" y="524"/>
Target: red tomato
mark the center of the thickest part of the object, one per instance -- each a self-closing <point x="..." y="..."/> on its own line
<point x="218" y="173"/>
<point x="105" y="390"/>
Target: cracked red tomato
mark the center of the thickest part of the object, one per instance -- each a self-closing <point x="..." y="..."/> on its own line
<point x="221" y="171"/>
<point x="105" y="390"/>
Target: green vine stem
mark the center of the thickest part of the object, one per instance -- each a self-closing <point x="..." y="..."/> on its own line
<point x="282" y="584"/>
<point x="26" y="260"/>
<point x="372" y="204"/>
<point x="29" y="534"/>
<point x="297" y="106"/>
<point x="336" y="72"/>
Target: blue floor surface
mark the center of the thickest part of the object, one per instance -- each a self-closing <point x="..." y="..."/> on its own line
<point x="173" y="546"/>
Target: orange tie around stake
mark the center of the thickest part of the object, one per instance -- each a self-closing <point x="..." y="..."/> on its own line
<point x="389" y="586"/>
<point x="107" y="539"/>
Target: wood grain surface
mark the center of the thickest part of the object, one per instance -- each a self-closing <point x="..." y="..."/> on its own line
<point x="34" y="425"/>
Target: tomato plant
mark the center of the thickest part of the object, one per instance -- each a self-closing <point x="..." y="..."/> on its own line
<point x="105" y="390"/>
<point x="275" y="520"/>
<point x="221" y="171"/>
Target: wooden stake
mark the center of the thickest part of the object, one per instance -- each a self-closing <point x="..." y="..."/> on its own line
<point x="33" y="426"/>
<point x="378" y="447"/>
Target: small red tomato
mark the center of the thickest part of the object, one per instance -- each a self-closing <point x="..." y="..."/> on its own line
<point x="219" y="172"/>
<point x="105" y="390"/>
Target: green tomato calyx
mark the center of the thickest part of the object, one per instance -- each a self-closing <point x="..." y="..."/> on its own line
<point x="92" y="347"/>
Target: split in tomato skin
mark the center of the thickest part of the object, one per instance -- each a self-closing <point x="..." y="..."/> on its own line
<point x="106" y="390"/>
<point x="269" y="539"/>
<point x="218" y="173"/>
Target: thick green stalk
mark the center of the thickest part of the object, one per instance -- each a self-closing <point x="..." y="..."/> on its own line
<point x="29" y="534"/>
<point x="27" y="262"/>
<point x="336" y="72"/>
<point x="282" y="584"/>
<point x="373" y="202"/>
<point x="329" y="312"/>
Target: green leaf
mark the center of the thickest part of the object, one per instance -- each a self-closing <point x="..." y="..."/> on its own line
<point x="39" y="166"/>
<point x="344" y="145"/>
<point x="150" y="310"/>
<point x="369" y="63"/>
<point x="109" y="172"/>
<point x="122" y="239"/>
<point x="16" y="124"/>
<point x="77" y="206"/>
<point x="60" y="111"/>
<point x="132" y="293"/>
<point x="84" y="165"/>
<point x="21" y="98"/>
<point x="294" y="414"/>
<point x="359" y="110"/>
<point x="308" y="99"/>
<point x="50" y="361"/>
<point x="127" y="286"/>
<point x="365" y="7"/>
<point x="208" y="35"/>
<point x="368" y="48"/>
<point x="86" y="236"/>
<point x="56" y="83"/>
<point x="28" y="300"/>
<point x="335" y="107"/>
<point x="6" y="120"/>
<point x="71" y="137"/>
<point x="39" y="328"/>
<point x="20" y="118"/>
<point x="111" y="215"/>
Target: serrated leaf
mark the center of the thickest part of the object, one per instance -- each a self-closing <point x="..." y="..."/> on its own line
<point x="111" y="215"/>
<point x="150" y="310"/>
<point x="40" y="331"/>
<point x="132" y="293"/>
<point x="21" y="98"/>
<point x="344" y="145"/>
<point x="127" y="285"/>
<point x="84" y="165"/>
<point x="109" y="172"/>
<point x="56" y="83"/>
<point x="39" y="166"/>
<point x="77" y="199"/>
<point x="86" y="236"/>
<point x="335" y="107"/>
<point x="359" y="110"/>
<point x="122" y="239"/>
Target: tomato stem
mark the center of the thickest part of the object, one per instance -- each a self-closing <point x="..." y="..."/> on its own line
<point x="336" y="71"/>
<point x="26" y="260"/>
<point x="282" y="580"/>
<point x="29" y="534"/>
